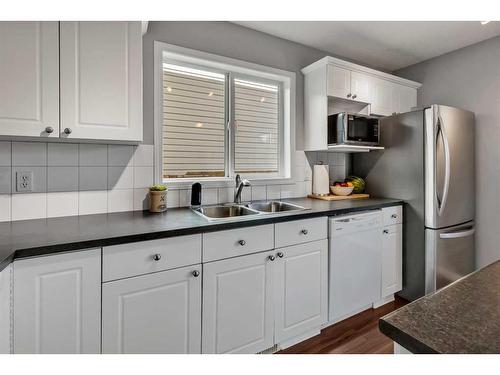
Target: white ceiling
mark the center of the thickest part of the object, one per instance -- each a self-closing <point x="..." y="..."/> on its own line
<point x="383" y="44"/>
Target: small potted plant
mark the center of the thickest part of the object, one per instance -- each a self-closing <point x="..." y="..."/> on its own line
<point x="158" y="198"/>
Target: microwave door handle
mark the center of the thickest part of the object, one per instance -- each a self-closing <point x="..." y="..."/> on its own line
<point x="446" y="149"/>
<point x="458" y="234"/>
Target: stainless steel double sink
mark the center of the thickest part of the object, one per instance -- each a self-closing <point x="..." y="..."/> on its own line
<point x="232" y="210"/>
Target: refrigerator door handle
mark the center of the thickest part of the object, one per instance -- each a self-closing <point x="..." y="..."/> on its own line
<point x="458" y="234"/>
<point x="441" y="131"/>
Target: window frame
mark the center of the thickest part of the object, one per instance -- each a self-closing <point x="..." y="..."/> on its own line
<point x="234" y="69"/>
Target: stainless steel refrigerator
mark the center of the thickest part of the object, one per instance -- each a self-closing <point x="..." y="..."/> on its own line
<point x="429" y="162"/>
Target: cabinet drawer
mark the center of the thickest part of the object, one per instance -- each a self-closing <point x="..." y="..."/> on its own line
<point x="139" y="258"/>
<point x="300" y="231"/>
<point x="392" y="215"/>
<point x="236" y="242"/>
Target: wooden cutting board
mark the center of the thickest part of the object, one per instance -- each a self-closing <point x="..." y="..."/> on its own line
<point x="332" y="197"/>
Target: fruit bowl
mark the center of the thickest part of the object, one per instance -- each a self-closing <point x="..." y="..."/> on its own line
<point x="341" y="190"/>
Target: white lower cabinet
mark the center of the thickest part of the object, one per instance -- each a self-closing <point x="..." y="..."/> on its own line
<point x="301" y="289"/>
<point x="5" y="316"/>
<point x="57" y="303"/>
<point x="238" y="305"/>
<point x="392" y="259"/>
<point x="154" y="313"/>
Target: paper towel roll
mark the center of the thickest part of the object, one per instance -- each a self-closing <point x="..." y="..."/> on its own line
<point x="321" y="180"/>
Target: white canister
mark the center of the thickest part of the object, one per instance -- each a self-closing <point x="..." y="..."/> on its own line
<point x="321" y="180"/>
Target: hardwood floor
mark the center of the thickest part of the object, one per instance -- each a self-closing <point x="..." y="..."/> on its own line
<point x="358" y="334"/>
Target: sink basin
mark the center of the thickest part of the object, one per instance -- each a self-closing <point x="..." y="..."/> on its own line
<point x="224" y="212"/>
<point x="274" y="206"/>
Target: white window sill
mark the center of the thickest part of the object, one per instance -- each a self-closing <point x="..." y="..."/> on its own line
<point x="223" y="182"/>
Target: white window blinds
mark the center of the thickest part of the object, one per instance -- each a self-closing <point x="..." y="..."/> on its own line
<point x="257" y="127"/>
<point x="193" y="122"/>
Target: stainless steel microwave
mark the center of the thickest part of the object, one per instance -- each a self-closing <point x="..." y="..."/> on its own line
<point x="353" y="129"/>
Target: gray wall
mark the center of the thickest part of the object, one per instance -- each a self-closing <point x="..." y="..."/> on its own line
<point x="230" y="40"/>
<point x="469" y="78"/>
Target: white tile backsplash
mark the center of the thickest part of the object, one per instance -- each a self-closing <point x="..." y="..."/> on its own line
<point x="5" y="207"/>
<point x="127" y="172"/>
<point x="120" y="200"/>
<point x="92" y="202"/>
<point x="143" y="156"/>
<point x="143" y="177"/>
<point x="62" y="204"/>
<point x="29" y="206"/>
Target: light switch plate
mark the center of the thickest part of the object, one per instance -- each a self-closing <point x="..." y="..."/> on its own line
<point x="24" y="181"/>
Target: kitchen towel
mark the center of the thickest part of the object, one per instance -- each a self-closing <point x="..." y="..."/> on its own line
<point x="321" y="180"/>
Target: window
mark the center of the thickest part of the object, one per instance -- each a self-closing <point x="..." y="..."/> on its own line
<point x="218" y="119"/>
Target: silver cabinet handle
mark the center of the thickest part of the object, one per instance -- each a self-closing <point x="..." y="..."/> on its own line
<point x="458" y="234"/>
<point x="271" y="258"/>
<point x="349" y="95"/>
<point x="196" y="273"/>
<point x="280" y="254"/>
<point x="157" y="257"/>
<point x="386" y="231"/>
<point x="49" y="129"/>
<point x="446" y="148"/>
<point x="67" y="131"/>
<point x="394" y="216"/>
<point x="242" y="242"/>
<point x="304" y="231"/>
<point x="354" y="96"/>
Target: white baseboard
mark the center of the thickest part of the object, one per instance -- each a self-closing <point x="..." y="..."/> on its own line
<point x="300" y="338"/>
<point x="383" y="301"/>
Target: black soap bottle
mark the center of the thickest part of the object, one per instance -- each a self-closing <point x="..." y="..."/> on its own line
<point x="196" y="194"/>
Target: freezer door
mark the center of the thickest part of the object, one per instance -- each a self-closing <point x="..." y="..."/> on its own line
<point x="449" y="166"/>
<point x="449" y="255"/>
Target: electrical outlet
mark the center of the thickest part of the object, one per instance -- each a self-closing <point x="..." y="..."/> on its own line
<point x="24" y="181"/>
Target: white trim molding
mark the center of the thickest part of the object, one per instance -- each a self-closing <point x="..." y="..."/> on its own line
<point x="328" y="60"/>
<point x="164" y="51"/>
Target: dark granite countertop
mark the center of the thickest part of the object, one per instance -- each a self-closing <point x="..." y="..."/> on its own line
<point x="29" y="238"/>
<point x="464" y="317"/>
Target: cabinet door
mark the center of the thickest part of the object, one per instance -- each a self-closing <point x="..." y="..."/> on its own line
<point x="238" y="304"/>
<point x="404" y="98"/>
<point x="382" y="103"/>
<point x="5" y="316"/>
<point x="361" y="87"/>
<point x="338" y="82"/>
<point x="301" y="289"/>
<point x="155" y="313"/>
<point x="101" y="80"/>
<point x="29" y="79"/>
<point x="392" y="257"/>
<point x="57" y="304"/>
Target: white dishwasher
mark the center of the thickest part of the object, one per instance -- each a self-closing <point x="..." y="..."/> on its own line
<point x="355" y="263"/>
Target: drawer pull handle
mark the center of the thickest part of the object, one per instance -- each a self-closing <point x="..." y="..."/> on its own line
<point x="386" y="231"/>
<point x="304" y="231"/>
<point x="271" y="258"/>
<point x="280" y="255"/>
<point x="242" y="242"/>
<point x="49" y="129"/>
<point x="394" y="216"/>
<point x="157" y="257"/>
<point x="196" y="273"/>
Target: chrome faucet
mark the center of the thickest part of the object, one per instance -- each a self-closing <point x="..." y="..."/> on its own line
<point x="239" y="187"/>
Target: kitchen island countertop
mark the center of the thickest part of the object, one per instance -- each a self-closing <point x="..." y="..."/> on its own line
<point x="462" y="318"/>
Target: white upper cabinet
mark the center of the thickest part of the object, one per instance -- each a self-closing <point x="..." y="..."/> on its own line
<point x="361" y="87"/>
<point x="338" y="82"/>
<point x="101" y="80"/>
<point x="57" y="305"/>
<point x="382" y="103"/>
<point x="332" y="85"/>
<point x="29" y="79"/>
